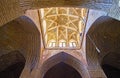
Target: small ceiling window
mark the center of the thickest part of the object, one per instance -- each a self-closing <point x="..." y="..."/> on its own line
<point x="62" y="43"/>
<point x="52" y="43"/>
<point x="72" y="43"/>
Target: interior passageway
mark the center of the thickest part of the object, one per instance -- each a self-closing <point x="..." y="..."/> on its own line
<point x="62" y="70"/>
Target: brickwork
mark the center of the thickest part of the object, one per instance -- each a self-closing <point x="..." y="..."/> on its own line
<point x="102" y="44"/>
<point x="17" y="8"/>
<point x="21" y="34"/>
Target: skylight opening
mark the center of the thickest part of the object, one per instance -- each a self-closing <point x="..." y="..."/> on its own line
<point x="62" y="43"/>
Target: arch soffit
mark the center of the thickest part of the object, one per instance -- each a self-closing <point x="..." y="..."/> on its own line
<point x="23" y="31"/>
<point x="107" y="26"/>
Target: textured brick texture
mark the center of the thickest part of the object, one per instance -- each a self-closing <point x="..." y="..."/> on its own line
<point x="22" y="35"/>
<point x="103" y="44"/>
<point x="17" y="8"/>
<point x="19" y="33"/>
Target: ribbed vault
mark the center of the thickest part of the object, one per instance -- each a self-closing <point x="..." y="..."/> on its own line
<point x="63" y="27"/>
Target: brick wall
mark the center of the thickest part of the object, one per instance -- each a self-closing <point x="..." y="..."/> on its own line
<point x="12" y="9"/>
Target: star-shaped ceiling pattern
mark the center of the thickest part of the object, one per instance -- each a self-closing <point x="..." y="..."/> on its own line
<point x="63" y="27"/>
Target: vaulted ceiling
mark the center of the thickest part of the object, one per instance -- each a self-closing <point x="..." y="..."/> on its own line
<point x="63" y="27"/>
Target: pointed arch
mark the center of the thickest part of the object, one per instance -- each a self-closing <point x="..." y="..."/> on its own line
<point x="62" y="70"/>
<point x="103" y="35"/>
<point x="102" y="39"/>
<point x="21" y="34"/>
<point x="66" y="58"/>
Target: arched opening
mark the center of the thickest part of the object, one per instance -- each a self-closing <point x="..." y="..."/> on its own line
<point x="103" y="39"/>
<point x="12" y="71"/>
<point x="11" y="65"/>
<point x="62" y="70"/>
<point x="65" y="58"/>
<point x="22" y="35"/>
<point x="110" y="71"/>
<point x="110" y="64"/>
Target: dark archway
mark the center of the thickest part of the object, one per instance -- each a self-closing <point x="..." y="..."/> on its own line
<point x="21" y="34"/>
<point x="110" y="64"/>
<point x="67" y="59"/>
<point x="110" y="71"/>
<point x="12" y="71"/>
<point x="11" y="65"/>
<point x="62" y="70"/>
